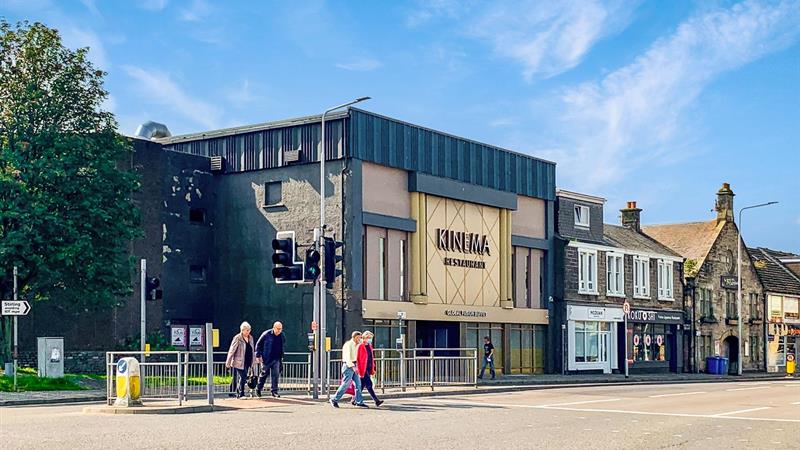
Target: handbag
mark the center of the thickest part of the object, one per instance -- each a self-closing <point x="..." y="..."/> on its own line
<point x="252" y="379"/>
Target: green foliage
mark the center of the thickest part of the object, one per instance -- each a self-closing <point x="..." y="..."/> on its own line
<point x="34" y="383"/>
<point x="690" y="268"/>
<point x="66" y="213"/>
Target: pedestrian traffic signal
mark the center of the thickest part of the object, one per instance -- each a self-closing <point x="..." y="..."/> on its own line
<point x="312" y="270"/>
<point x="151" y="290"/>
<point x="332" y="259"/>
<point x="286" y="269"/>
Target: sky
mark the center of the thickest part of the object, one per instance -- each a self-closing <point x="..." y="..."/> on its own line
<point x="654" y="102"/>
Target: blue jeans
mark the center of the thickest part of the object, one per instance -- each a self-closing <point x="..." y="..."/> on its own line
<point x="490" y="363"/>
<point x="349" y="375"/>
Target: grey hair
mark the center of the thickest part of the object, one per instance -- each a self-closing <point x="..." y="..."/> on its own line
<point x="245" y="326"/>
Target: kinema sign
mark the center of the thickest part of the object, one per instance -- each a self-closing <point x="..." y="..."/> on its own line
<point x="460" y="241"/>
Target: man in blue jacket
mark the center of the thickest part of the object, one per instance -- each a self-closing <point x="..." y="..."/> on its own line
<point x="269" y="352"/>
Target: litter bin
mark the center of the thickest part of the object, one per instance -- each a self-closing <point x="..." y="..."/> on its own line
<point x="723" y="366"/>
<point x="712" y="365"/>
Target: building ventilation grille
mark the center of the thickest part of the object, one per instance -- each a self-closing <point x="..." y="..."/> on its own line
<point x="217" y="163"/>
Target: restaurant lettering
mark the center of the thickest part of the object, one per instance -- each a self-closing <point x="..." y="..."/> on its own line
<point x="468" y="263"/>
<point x="461" y="241"/>
<point x="641" y="315"/>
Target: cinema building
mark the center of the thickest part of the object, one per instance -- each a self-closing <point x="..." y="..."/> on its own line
<point x="454" y="234"/>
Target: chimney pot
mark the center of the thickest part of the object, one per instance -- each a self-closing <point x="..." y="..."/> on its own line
<point x="631" y="216"/>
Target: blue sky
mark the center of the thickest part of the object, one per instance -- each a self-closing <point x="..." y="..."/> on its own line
<point x="658" y="102"/>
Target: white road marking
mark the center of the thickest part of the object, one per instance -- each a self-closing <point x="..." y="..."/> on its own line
<point x="620" y="411"/>
<point x="742" y="411"/>
<point x="796" y="403"/>
<point x="747" y="388"/>
<point x="677" y="394"/>
<point x="580" y="403"/>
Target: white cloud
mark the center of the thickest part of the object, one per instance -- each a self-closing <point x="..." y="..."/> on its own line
<point x="360" y="65"/>
<point x="153" y="5"/>
<point x="92" y="7"/>
<point x="197" y="12"/>
<point x="634" y="114"/>
<point x="159" y="88"/>
<point x="549" y="38"/>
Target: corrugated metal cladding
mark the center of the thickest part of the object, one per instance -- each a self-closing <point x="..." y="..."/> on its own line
<point x="398" y="144"/>
<point x="263" y="149"/>
<point x="370" y="137"/>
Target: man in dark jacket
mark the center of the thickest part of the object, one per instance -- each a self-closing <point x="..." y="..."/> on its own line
<point x="269" y="352"/>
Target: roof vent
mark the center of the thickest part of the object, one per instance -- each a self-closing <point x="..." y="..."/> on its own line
<point x="152" y="130"/>
<point x="217" y="163"/>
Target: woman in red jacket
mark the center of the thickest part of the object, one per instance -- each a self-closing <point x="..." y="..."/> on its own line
<point x="366" y="365"/>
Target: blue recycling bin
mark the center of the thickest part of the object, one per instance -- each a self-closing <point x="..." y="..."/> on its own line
<point x="723" y="366"/>
<point x="712" y="365"/>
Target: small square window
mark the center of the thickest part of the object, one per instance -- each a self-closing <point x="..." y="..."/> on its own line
<point x="197" y="274"/>
<point x="582" y="216"/>
<point x="273" y="193"/>
<point x="197" y="215"/>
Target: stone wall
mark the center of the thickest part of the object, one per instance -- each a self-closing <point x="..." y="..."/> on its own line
<point x="83" y="362"/>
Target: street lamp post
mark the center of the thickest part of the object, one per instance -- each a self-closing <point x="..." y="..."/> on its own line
<point x="739" y="284"/>
<point x="319" y="287"/>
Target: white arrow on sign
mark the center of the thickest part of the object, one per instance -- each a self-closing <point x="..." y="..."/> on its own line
<point x="16" y="308"/>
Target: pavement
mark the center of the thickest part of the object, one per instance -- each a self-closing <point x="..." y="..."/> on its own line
<point x="504" y="383"/>
<point x="738" y="415"/>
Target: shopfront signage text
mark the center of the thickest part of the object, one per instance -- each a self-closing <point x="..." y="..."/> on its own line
<point x="461" y="241"/>
<point x="641" y="315"/>
<point x="463" y="313"/>
<point x="728" y="282"/>
<point x="468" y="263"/>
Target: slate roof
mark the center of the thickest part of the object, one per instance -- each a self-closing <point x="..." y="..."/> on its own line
<point x="773" y="274"/>
<point x="691" y="240"/>
<point x="623" y="237"/>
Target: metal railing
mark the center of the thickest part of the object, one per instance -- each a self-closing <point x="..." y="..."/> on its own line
<point x="424" y="367"/>
<point x="178" y="375"/>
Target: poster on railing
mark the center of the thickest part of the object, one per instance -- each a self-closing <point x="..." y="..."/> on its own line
<point x="179" y="336"/>
<point x="196" y="336"/>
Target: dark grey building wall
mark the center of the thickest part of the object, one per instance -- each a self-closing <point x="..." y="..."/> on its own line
<point x="565" y="220"/>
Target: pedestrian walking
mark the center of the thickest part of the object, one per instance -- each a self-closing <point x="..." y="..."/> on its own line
<point x="269" y="352"/>
<point x="366" y="365"/>
<point x="488" y="357"/>
<point x="350" y="373"/>
<point x="240" y="358"/>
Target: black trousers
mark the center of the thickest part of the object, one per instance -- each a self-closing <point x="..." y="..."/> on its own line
<point x="272" y="369"/>
<point x="366" y="382"/>
<point x="239" y="379"/>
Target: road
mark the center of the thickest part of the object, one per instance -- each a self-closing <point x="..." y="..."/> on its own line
<point x="749" y="415"/>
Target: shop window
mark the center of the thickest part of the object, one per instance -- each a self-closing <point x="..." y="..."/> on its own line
<point x="775" y="307"/>
<point x="386" y="333"/>
<point x="615" y="274"/>
<point x="591" y="341"/>
<point x="665" y="281"/>
<point x="527" y="348"/>
<point x="790" y="308"/>
<point x="650" y="342"/>
<point x="587" y="271"/>
<point x="641" y="277"/>
<point x="474" y="339"/>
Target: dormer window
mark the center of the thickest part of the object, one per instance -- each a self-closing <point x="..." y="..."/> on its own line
<point x="581" y="216"/>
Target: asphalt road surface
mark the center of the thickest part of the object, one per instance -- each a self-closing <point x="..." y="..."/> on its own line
<point x="747" y="415"/>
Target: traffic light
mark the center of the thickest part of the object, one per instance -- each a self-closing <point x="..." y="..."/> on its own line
<point x="286" y="269"/>
<point x="332" y="258"/>
<point x="312" y="270"/>
<point x="151" y="290"/>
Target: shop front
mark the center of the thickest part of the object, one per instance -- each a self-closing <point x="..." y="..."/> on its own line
<point x="655" y="341"/>
<point x="592" y="338"/>
<point x="783" y="331"/>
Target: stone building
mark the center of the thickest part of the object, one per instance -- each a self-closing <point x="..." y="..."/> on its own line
<point x="710" y="252"/>
<point x="605" y="266"/>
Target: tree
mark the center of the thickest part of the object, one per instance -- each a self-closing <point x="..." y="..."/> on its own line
<point x="66" y="213"/>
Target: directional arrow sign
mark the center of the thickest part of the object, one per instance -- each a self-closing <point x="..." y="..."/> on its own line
<point x="16" y="308"/>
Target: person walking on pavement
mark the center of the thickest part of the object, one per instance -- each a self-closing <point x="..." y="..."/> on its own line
<point x="488" y="357"/>
<point x="240" y="358"/>
<point x="366" y="365"/>
<point x="269" y="352"/>
<point x="350" y="372"/>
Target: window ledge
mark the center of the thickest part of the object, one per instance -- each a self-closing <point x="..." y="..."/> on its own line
<point x="588" y="292"/>
<point x="642" y="297"/>
<point x="583" y="227"/>
<point x="666" y="299"/>
<point x="275" y="206"/>
<point x="616" y="294"/>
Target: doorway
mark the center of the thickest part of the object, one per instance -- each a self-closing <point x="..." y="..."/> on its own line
<point x="438" y="335"/>
<point x="730" y="350"/>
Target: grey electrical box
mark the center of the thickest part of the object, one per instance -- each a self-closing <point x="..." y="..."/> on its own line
<point x="51" y="357"/>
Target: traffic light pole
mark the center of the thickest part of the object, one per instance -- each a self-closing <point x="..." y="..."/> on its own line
<point x="316" y="357"/>
<point x="143" y="281"/>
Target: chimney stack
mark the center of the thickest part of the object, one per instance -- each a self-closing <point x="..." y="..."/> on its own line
<point x="724" y="206"/>
<point x="631" y="217"/>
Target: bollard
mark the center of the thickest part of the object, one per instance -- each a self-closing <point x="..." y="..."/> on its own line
<point x="129" y="387"/>
<point x="791" y="365"/>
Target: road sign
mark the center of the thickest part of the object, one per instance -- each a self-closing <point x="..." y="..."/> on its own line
<point x="626" y="307"/>
<point x="16" y="308"/>
<point x="790" y="357"/>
